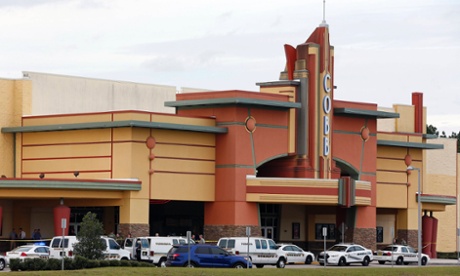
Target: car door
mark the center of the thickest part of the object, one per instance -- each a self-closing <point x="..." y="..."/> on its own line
<point x="221" y="258"/>
<point x="353" y="253"/>
<point x="203" y="256"/>
<point x="411" y="255"/>
<point x="298" y="255"/>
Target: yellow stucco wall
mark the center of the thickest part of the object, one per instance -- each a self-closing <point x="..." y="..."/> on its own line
<point x="180" y="166"/>
<point x="441" y="178"/>
<point x="16" y="101"/>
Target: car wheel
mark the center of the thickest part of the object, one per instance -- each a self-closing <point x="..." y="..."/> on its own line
<point x="162" y="263"/>
<point x="259" y="266"/>
<point x="239" y="266"/>
<point x="399" y="261"/>
<point x="366" y="261"/>
<point x="192" y="264"/>
<point x="281" y="263"/>
<point x="308" y="260"/>
<point x="2" y="264"/>
<point x="406" y="263"/>
<point x="424" y="261"/>
<point x="381" y="262"/>
<point x="342" y="262"/>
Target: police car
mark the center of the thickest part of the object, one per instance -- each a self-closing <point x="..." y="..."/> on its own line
<point x="295" y="254"/>
<point x="345" y="254"/>
<point x="399" y="254"/>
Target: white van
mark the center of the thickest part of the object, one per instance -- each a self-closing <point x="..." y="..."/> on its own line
<point x="262" y="251"/>
<point x="60" y="248"/>
<point x="153" y="249"/>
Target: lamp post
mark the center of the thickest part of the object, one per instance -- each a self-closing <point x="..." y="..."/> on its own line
<point x="419" y="206"/>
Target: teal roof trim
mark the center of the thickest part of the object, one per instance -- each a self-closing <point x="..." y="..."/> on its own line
<point x="70" y="185"/>
<point x="353" y="112"/>
<point x="409" y="144"/>
<point x="439" y="199"/>
<point x="116" y="124"/>
<point x="430" y="136"/>
<point x="233" y="101"/>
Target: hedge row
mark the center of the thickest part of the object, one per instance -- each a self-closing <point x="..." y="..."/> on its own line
<point x="69" y="264"/>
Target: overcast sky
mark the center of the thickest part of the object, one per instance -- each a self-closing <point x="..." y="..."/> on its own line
<point x="384" y="50"/>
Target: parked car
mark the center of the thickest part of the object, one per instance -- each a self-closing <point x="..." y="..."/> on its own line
<point x="345" y="254"/>
<point x="205" y="255"/>
<point x="3" y="262"/>
<point x="295" y="254"/>
<point x="153" y="249"/>
<point x="28" y="252"/>
<point x="399" y="254"/>
<point x="262" y="251"/>
<point x="64" y="248"/>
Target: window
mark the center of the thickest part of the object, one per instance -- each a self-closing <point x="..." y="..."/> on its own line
<point x="330" y="231"/>
<point x="379" y="234"/>
<point x="129" y="242"/>
<point x="202" y="250"/>
<point x="264" y="244"/>
<point x="218" y="251"/>
<point x="257" y="244"/>
<point x="272" y="244"/>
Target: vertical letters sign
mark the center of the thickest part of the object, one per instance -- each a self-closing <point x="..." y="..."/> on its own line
<point x="327" y="104"/>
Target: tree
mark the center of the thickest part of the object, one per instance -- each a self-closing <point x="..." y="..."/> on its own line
<point x="89" y="243"/>
<point x="431" y="129"/>
<point x="457" y="136"/>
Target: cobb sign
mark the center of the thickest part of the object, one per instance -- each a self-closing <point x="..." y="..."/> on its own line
<point x="327" y="104"/>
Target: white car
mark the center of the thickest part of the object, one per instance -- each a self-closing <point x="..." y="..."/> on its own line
<point x="345" y="254"/>
<point x="28" y="252"/>
<point x="295" y="254"/>
<point x="399" y="254"/>
<point x="3" y="262"/>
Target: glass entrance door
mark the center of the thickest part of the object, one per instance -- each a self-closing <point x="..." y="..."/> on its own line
<point x="267" y="232"/>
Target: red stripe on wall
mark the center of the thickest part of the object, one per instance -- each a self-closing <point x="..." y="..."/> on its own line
<point x="292" y="190"/>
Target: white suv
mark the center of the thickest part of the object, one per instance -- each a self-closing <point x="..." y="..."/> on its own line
<point x="345" y="254"/>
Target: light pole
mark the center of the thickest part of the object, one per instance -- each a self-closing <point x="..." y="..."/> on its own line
<point x="419" y="206"/>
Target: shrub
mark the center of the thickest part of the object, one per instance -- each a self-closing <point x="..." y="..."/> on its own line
<point x="93" y="263"/>
<point x="104" y="263"/>
<point x="114" y="263"/>
<point x="16" y="265"/>
<point x="53" y="264"/>
<point x="134" y="263"/>
<point x="125" y="263"/>
<point x="68" y="264"/>
<point x="80" y="262"/>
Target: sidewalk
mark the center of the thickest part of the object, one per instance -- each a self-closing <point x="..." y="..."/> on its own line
<point x="444" y="262"/>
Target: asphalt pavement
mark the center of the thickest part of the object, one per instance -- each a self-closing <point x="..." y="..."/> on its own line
<point x="444" y="262"/>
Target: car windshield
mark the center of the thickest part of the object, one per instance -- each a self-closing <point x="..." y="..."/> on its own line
<point x="339" y="248"/>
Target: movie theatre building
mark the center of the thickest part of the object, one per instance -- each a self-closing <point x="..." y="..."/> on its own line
<point x="286" y="161"/>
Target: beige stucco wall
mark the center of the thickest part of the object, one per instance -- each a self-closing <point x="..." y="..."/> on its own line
<point x="442" y="179"/>
<point x="291" y="214"/>
<point x="60" y="94"/>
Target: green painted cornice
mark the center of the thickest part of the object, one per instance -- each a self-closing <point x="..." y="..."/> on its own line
<point x="438" y="199"/>
<point x="115" y="124"/>
<point x="232" y="101"/>
<point x="363" y="113"/>
<point x="409" y="144"/>
<point x="116" y="185"/>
